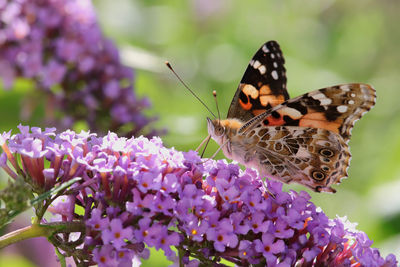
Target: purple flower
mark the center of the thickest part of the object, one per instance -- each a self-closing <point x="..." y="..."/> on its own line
<point x="165" y="240"/>
<point x="60" y="47"/>
<point x="223" y="235"/>
<point x="116" y="234"/>
<point x="195" y="228"/>
<point x="105" y="256"/>
<point x="269" y="247"/>
<point x="97" y="222"/>
<point x="257" y="223"/>
<point x="135" y="193"/>
<point x="143" y="232"/>
<point x="53" y="73"/>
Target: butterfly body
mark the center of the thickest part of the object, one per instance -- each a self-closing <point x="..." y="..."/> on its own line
<point x="302" y="140"/>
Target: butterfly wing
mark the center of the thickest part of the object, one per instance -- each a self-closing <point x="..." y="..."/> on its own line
<point x="263" y="85"/>
<point x="304" y="139"/>
<point x="316" y="158"/>
<point x="334" y="108"/>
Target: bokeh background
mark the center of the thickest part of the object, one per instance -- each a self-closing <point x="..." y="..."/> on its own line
<point x="209" y="43"/>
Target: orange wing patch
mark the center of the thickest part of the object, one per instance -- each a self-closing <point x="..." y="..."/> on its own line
<point x="250" y="92"/>
<point x="267" y="97"/>
<point x="262" y="97"/>
<point x="318" y="120"/>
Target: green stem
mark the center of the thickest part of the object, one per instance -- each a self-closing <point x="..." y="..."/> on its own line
<point x="37" y="230"/>
<point x="180" y="255"/>
<point x="61" y="258"/>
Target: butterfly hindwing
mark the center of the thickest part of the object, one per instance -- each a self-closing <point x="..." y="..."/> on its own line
<point x="316" y="158"/>
<point x="263" y="85"/>
<point x="334" y="108"/>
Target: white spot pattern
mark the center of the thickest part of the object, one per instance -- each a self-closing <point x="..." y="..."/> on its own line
<point x="318" y="96"/>
<point x="274" y="75"/>
<point x="265" y="49"/>
<point x="342" y="109"/>
<point x="325" y="101"/>
<point x="256" y="64"/>
<point x="262" y="69"/>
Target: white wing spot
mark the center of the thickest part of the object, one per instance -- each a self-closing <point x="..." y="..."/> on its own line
<point x="275" y="65"/>
<point x="342" y="109"/>
<point x="256" y="64"/>
<point x="351" y="102"/>
<point x="265" y="49"/>
<point x="272" y="56"/>
<point x="325" y="101"/>
<point x="353" y="95"/>
<point x="274" y="75"/>
<point x="318" y="96"/>
<point x="345" y="88"/>
<point x="262" y="69"/>
<point x="292" y="112"/>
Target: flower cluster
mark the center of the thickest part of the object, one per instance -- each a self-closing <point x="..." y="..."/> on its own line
<point x="58" y="44"/>
<point x="135" y="193"/>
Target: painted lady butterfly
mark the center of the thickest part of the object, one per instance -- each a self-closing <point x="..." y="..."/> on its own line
<point x="302" y="140"/>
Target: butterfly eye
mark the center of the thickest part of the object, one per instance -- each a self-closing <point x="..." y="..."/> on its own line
<point x="219" y="130"/>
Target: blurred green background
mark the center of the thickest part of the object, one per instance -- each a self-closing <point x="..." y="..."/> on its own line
<point x="325" y="42"/>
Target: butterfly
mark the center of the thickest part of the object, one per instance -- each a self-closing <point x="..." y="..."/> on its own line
<point x="302" y="140"/>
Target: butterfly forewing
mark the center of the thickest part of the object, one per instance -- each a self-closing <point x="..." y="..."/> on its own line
<point x="334" y="108"/>
<point x="263" y="85"/>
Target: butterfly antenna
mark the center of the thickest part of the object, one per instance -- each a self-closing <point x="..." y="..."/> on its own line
<point x="187" y="87"/>
<point x="216" y="103"/>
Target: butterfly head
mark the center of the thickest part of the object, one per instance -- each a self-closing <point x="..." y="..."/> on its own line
<point x="220" y="130"/>
<point x="216" y="129"/>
